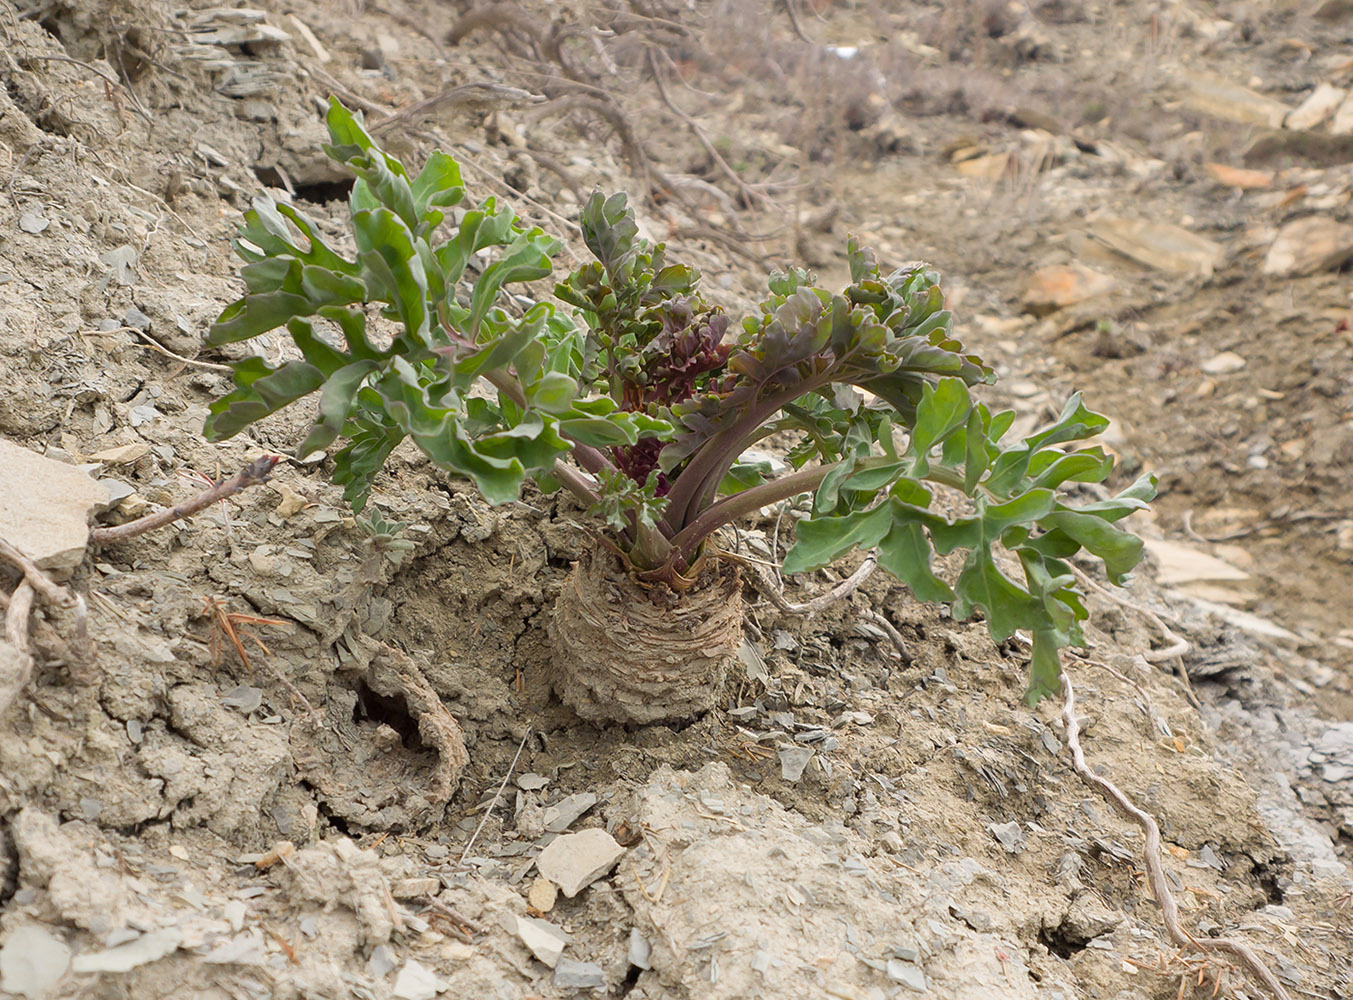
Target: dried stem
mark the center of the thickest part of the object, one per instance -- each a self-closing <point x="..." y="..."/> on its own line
<point x="253" y="474"/>
<point x="749" y="194"/>
<point x="479" y="97"/>
<point x="496" y="796"/>
<point x="52" y="593"/>
<point x="1155" y="871"/>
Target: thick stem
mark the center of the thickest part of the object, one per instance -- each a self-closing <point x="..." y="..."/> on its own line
<point x="685" y="497"/>
<point x="574" y="481"/>
<point x="739" y="504"/>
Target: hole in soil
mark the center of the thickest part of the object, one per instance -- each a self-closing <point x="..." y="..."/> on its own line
<point x="337" y="823"/>
<point x="1267" y="875"/>
<point x="1061" y="941"/>
<point x="390" y="710"/>
<point x="9" y="866"/>
<point x="318" y="193"/>
<point x="630" y="981"/>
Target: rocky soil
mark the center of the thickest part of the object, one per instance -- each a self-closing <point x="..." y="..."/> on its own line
<point x="254" y="786"/>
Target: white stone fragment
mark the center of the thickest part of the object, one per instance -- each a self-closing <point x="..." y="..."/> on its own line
<point x="45" y="507"/>
<point x="147" y="948"/>
<point x="576" y="860"/>
<point x="545" y="940"/>
<point x="31" y="961"/>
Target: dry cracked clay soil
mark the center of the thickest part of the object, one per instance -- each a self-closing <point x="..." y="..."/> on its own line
<point x="286" y="761"/>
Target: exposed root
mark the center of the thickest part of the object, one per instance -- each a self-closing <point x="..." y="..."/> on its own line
<point x="1151" y="856"/>
<point x="771" y="591"/>
<point x="14" y="676"/>
<point x="18" y="607"/>
<point x="1177" y="647"/>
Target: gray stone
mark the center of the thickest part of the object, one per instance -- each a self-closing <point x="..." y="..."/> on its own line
<point x="45" y="507"/>
<point x="571" y="975"/>
<point x="576" y="860"/>
<point x="1230" y="101"/>
<point x="545" y="940"/>
<point x="564" y="813"/>
<point x="793" y="760"/>
<point x="910" y="976"/>
<point x="640" y="950"/>
<point x="1009" y="834"/>
<point x="31" y="961"/>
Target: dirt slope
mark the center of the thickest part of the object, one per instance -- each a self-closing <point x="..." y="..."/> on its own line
<point x="184" y="825"/>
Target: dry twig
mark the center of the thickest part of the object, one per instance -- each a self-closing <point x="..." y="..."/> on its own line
<point x="16" y="631"/>
<point x="253" y="474"/>
<point x="1155" y="870"/>
<point x="157" y="347"/>
<point x="496" y="796"/>
<point x="228" y="625"/>
<point x="18" y="608"/>
<point x="750" y="195"/>
<point x="1272" y="522"/>
<point x="768" y="589"/>
<point x="479" y="97"/>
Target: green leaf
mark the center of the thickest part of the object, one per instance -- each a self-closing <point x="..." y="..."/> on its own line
<point x="1051" y="470"/>
<point x="526" y="259"/>
<point x="597" y="432"/>
<point x="821" y="540"/>
<point x="336" y="404"/>
<point x="1120" y="550"/>
<point x="1007" y="605"/>
<point x="943" y="410"/>
<point x="875" y="477"/>
<point x="260" y="390"/>
<point x="905" y="552"/>
<point x="255" y="314"/>
<point x="387" y="254"/>
<point x="745" y="475"/>
<point x="438" y="185"/>
<point x="554" y="393"/>
<point x="1045" y="669"/>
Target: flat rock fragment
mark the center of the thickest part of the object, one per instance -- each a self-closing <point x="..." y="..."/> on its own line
<point x="576" y="860"/>
<point x="32" y="959"/>
<point x="125" y="957"/>
<point x="45" y="507"/>
<point x="1160" y="245"/>
<point x="793" y="760"/>
<point x="1053" y="288"/>
<point x="417" y="982"/>
<point x="1319" y="105"/>
<point x="545" y="939"/>
<point x="1220" y="98"/>
<point x="1307" y="245"/>
<point x="571" y="975"/>
<point x="564" y="813"/>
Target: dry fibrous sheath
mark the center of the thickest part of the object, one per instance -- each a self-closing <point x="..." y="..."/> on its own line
<point x="629" y="389"/>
